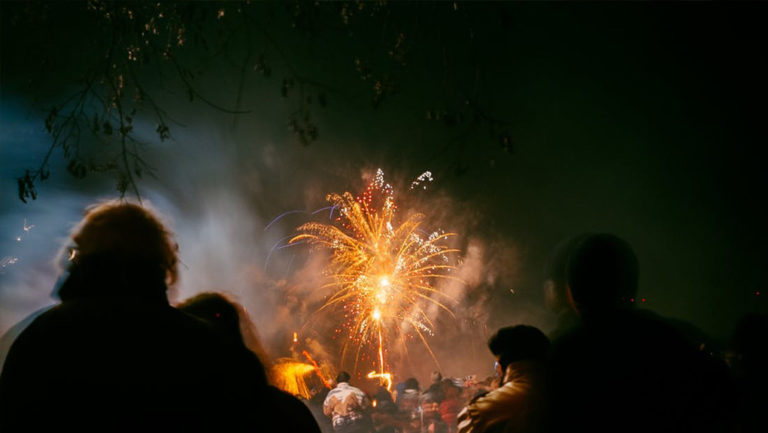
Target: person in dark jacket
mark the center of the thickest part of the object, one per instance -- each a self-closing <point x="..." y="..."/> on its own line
<point x="748" y="361"/>
<point x="114" y="355"/>
<point x="430" y="404"/>
<point x="518" y="404"/>
<point x="384" y="413"/>
<point x="283" y="412"/>
<point x="556" y="286"/>
<point x="450" y="406"/>
<point x="408" y="406"/>
<point x="624" y="369"/>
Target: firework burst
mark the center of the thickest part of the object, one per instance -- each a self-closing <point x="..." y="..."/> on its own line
<point x="382" y="271"/>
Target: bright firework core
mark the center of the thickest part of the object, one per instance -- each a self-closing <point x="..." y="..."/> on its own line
<point x="382" y="273"/>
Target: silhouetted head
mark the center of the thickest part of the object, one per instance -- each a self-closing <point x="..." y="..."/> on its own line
<point x="602" y="274"/>
<point x="555" y="277"/>
<point x="436" y="376"/>
<point x="449" y="388"/>
<point x="383" y="395"/>
<point x="411" y="383"/>
<point x="749" y="343"/>
<point x="119" y="248"/>
<point x="343" y="377"/>
<point x="230" y="322"/>
<point x="518" y="343"/>
<point x="217" y="311"/>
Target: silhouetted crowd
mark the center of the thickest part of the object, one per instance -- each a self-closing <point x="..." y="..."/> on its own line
<point x="114" y="355"/>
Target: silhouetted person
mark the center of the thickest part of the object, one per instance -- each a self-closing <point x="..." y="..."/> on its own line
<point x="450" y="405"/>
<point x="430" y="403"/>
<point x="556" y="285"/>
<point x="281" y="411"/>
<point x="516" y="406"/>
<point x="408" y="405"/>
<point x="114" y="355"/>
<point x="11" y="334"/>
<point x="622" y="369"/>
<point x="384" y="414"/>
<point x="348" y="407"/>
<point x="749" y="362"/>
<point x="435" y="389"/>
<point x="228" y="318"/>
<point x="316" y="407"/>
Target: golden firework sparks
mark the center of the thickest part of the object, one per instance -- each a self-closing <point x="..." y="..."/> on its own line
<point x="290" y="376"/>
<point x="384" y="377"/>
<point x="382" y="271"/>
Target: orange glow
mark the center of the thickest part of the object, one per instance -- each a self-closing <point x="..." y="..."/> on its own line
<point x="289" y="376"/>
<point x="384" y="377"/>
<point x="317" y="369"/>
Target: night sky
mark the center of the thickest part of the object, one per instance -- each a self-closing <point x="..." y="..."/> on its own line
<point x="644" y="120"/>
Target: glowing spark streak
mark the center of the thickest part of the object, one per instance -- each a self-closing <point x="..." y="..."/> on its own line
<point x="423" y="340"/>
<point x="437" y="292"/>
<point x="385" y="377"/>
<point x="317" y="370"/>
<point x="277" y="245"/>
<point x="271" y="250"/>
<point x="279" y="217"/>
<point x="436" y="303"/>
<point x="381" y="361"/>
<point x="322" y="209"/>
<point x="289" y="245"/>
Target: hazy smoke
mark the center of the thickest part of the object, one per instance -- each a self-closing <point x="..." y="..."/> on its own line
<point x="220" y="189"/>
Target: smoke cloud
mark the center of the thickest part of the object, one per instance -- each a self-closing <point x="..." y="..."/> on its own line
<point x="221" y="188"/>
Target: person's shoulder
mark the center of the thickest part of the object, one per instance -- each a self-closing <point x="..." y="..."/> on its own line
<point x="479" y="397"/>
<point x="568" y="340"/>
<point x="280" y="397"/>
<point x="186" y="321"/>
<point x="184" y="328"/>
<point x="292" y="413"/>
<point x="505" y="393"/>
<point x="664" y="331"/>
<point x="331" y="394"/>
<point x="40" y="322"/>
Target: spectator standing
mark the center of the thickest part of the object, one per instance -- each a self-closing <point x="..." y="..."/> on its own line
<point x="113" y="355"/>
<point x="348" y="407"/>
<point x="517" y="405"/>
